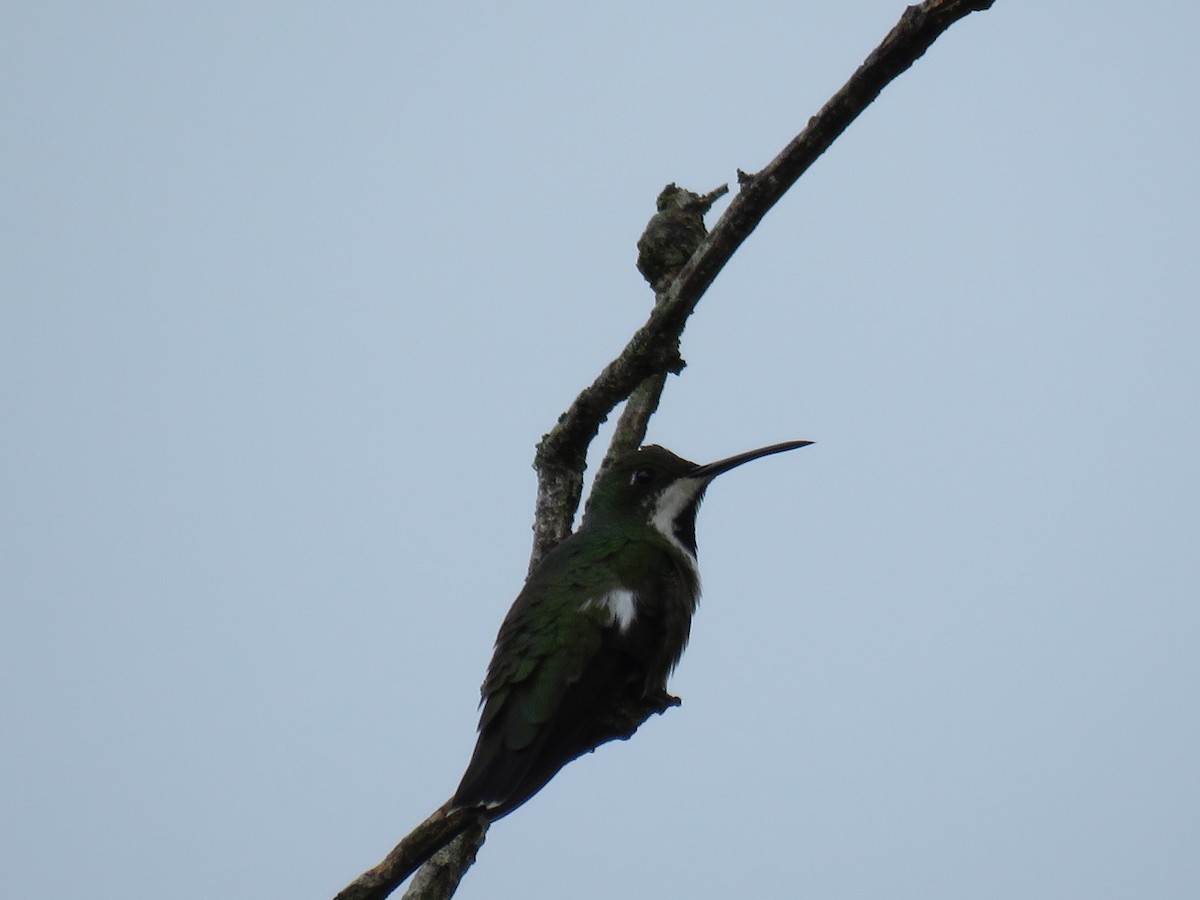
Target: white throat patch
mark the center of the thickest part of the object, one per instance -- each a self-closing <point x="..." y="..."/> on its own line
<point x="671" y="503"/>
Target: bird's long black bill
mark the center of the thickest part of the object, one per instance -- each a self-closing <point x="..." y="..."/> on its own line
<point x="712" y="470"/>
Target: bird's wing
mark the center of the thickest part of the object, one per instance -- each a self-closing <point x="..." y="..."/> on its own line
<point x="553" y="672"/>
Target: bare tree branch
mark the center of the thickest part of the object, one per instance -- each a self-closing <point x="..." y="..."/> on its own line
<point x="638" y="374"/>
<point x="671" y="237"/>
<point x="438" y="878"/>
<point x="654" y="348"/>
<point x="406" y="857"/>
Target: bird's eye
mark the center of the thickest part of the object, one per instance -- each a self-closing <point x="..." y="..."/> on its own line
<point x="642" y="476"/>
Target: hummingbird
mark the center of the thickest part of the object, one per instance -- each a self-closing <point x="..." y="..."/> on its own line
<point x="584" y="654"/>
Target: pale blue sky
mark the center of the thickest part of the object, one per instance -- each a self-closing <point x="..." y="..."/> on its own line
<point x="291" y="290"/>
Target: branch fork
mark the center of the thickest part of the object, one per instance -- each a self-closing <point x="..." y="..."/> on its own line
<point x="680" y="259"/>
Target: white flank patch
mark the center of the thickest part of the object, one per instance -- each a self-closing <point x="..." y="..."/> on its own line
<point x="670" y="504"/>
<point x="620" y="604"/>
